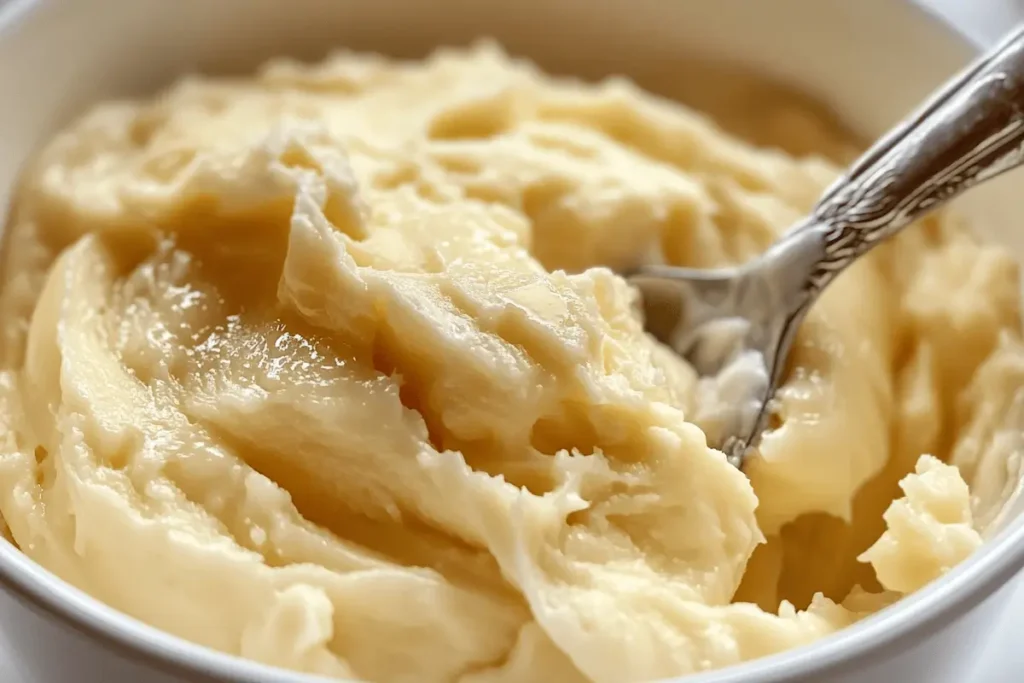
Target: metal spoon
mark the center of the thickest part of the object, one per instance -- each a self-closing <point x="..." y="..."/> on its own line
<point x="743" y="320"/>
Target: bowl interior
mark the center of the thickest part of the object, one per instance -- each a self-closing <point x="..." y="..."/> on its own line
<point x="110" y="48"/>
<point x="870" y="62"/>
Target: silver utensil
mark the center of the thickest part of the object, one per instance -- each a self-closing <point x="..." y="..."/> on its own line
<point x="738" y="324"/>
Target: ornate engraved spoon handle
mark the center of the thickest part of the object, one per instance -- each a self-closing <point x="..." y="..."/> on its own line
<point x="969" y="132"/>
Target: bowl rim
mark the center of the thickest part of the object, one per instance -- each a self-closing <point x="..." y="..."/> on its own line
<point x="886" y="632"/>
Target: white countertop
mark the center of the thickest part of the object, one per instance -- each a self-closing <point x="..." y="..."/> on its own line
<point x="1003" y="657"/>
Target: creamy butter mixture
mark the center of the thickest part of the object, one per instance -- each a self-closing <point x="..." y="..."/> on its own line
<point x="330" y="368"/>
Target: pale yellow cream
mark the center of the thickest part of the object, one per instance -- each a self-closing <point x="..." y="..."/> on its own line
<point x="330" y="368"/>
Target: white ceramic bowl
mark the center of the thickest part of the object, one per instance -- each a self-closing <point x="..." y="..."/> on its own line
<point x="870" y="60"/>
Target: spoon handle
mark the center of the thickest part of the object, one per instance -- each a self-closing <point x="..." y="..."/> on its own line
<point x="969" y="132"/>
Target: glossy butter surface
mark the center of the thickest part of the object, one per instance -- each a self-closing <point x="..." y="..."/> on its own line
<point x="330" y="368"/>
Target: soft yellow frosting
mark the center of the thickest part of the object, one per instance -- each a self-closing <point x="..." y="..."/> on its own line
<point x="331" y="368"/>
